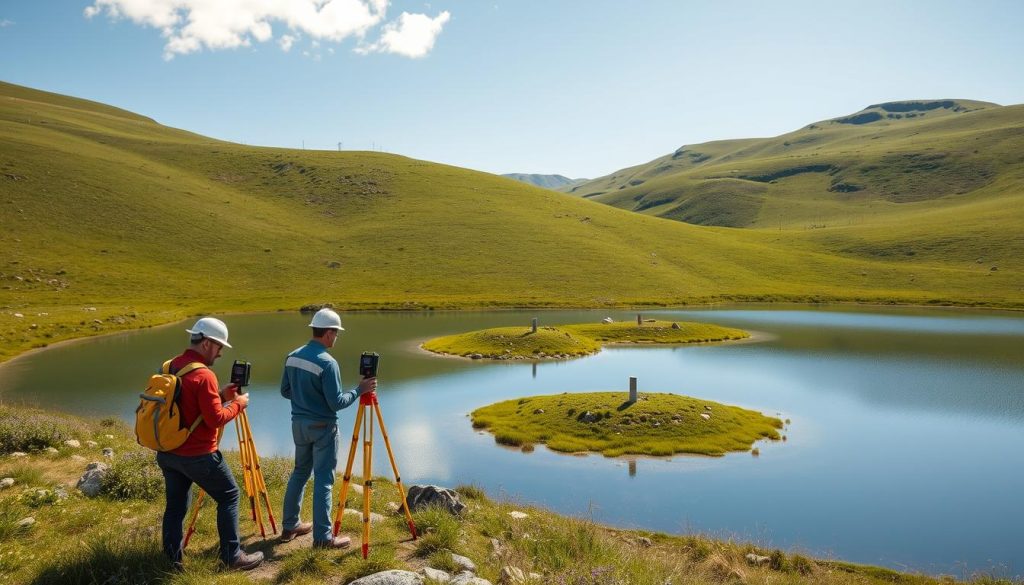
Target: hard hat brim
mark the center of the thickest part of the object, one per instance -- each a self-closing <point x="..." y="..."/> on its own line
<point x="208" y="336"/>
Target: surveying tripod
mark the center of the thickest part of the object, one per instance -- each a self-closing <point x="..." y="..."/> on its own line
<point x="252" y="478"/>
<point x="368" y="402"/>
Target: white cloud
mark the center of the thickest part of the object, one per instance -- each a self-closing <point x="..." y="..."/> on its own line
<point x="413" y="35"/>
<point x="194" y="25"/>
<point x="4" y="23"/>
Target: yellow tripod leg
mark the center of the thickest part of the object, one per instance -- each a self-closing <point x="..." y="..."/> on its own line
<point x="250" y="456"/>
<point x="347" y="478"/>
<point x="367" y="481"/>
<point x="260" y="482"/>
<point x="394" y="467"/>
<point x="192" y="520"/>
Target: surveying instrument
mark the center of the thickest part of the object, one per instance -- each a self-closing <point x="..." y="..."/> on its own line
<point x="367" y="402"/>
<point x="252" y="474"/>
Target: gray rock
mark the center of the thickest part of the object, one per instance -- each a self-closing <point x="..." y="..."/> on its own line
<point x="644" y="541"/>
<point x="518" y="515"/>
<point x="91" y="444"/>
<point x="538" y="411"/>
<point x="356" y="488"/>
<point x="755" y="559"/>
<point x="6" y="483"/>
<point x="476" y="356"/>
<point x="26" y="522"/>
<point x="421" y="496"/>
<point x="496" y="548"/>
<point x="392" y="577"/>
<point x="606" y="320"/>
<point x="467" y="578"/>
<point x="435" y="574"/>
<point x="73" y="443"/>
<point x="17" y="454"/>
<point x="108" y="452"/>
<point x="705" y="416"/>
<point x="374" y="517"/>
<point x="464" y="562"/>
<point x="92" y="480"/>
<point x="589" y="417"/>
<point x="676" y="326"/>
<point x="50" y="451"/>
<point x="393" y="507"/>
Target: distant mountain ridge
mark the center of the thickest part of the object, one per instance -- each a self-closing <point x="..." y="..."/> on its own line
<point x="557" y="182"/>
<point x="917" y="152"/>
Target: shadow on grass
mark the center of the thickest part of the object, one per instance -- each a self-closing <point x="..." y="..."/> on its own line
<point x="117" y="561"/>
<point x="624" y="406"/>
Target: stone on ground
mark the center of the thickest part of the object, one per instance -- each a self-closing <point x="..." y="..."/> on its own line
<point x="392" y="577"/>
<point x="92" y="480"/>
<point x="435" y="574"/>
<point x="421" y="496"/>
<point x="464" y="562"/>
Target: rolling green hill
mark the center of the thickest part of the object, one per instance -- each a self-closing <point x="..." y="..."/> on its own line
<point x="109" y="220"/>
<point x="891" y="160"/>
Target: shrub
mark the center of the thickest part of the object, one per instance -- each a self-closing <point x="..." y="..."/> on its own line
<point x="133" y="476"/>
<point x="30" y="429"/>
<point x="439" y="528"/>
<point x="471" y="491"/>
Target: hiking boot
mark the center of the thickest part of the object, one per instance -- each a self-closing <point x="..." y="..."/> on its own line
<point x="300" y="529"/>
<point x="246" y="562"/>
<point x="336" y="542"/>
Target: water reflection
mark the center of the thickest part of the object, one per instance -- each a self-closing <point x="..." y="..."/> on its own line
<point x="903" y="423"/>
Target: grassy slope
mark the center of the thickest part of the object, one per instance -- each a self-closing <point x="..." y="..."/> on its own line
<point x="945" y="187"/>
<point x="657" y="424"/>
<point x="115" y="539"/>
<point x="106" y="209"/>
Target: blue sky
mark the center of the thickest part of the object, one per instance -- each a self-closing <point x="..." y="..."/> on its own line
<point x="579" y="88"/>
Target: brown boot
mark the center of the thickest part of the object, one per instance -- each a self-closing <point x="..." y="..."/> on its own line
<point x="246" y="562"/>
<point x="300" y="529"/>
<point x="336" y="542"/>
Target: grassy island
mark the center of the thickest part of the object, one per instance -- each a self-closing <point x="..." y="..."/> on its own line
<point x="566" y="341"/>
<point x="604" y="422"/>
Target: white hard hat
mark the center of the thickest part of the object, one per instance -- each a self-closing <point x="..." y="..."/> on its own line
<point x="326" y="319"/>
<point x="211" y="328"/>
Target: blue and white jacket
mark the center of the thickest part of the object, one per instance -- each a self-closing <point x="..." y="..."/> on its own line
<point x="312" y="381"/>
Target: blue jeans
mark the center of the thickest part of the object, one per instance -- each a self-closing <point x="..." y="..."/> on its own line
<point x="212" y="474"/>
<point x="316" y="452"/>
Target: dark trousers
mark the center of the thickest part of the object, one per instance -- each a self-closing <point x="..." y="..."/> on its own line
<point x="212" y="474"/>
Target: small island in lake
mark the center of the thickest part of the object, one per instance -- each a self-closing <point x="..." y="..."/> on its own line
<point x="608" y="423"/>
<point x="565" y="341"/>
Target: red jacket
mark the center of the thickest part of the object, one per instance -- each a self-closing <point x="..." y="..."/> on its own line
<point x="200" y="393"/>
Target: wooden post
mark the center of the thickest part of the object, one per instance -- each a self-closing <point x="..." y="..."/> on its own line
<point x="639" y="320"/>
<point x="534" y="324"/>
<point x="632" y="388"/>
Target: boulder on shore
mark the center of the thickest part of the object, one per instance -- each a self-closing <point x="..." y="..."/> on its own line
<point x="421" y="496"/>
<point x="92" y="480"/>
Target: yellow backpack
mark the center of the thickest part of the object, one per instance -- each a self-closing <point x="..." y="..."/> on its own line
<point x="158" y="423"/>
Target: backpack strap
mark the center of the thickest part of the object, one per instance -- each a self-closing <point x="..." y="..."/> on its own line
<point x="166" y="368"/>
<point x="188" y="368"/>
<point x="181" y="372"/>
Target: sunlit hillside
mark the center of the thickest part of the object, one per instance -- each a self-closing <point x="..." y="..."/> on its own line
<point x="107" y="210"/>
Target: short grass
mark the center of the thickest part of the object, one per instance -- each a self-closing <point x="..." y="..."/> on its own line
<point x="607" y="423"/>
<point x="573" y="340"/>
<point x="116" y="540"/>
<point x="110" y="221"/>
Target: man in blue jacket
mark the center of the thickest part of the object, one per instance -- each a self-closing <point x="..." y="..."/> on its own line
<point x="312" y="381"/>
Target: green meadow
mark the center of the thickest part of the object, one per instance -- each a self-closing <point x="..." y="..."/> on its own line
<point x="607" y="423"/>
<point x="111" y="221"/>
<point x="574" y="340"/>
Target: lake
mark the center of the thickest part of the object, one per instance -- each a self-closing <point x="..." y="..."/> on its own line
<point x="905" y="446"/>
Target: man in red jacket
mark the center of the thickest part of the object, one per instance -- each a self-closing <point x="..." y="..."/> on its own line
<point x="198" y="460"/>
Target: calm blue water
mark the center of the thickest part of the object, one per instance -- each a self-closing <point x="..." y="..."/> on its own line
<point x="905" y="444"/>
